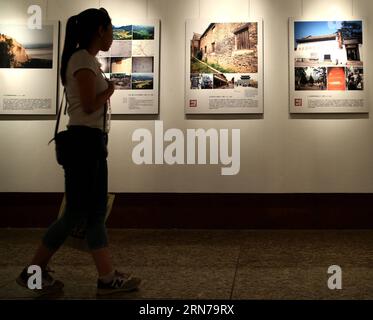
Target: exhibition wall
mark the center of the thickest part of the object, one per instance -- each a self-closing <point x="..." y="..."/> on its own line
<point x="280" y="152"/>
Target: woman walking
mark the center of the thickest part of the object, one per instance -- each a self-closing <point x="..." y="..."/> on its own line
<point x="86" y="175"/>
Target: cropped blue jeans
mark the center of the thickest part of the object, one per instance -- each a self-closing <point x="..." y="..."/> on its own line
<point x="86" y="188"/>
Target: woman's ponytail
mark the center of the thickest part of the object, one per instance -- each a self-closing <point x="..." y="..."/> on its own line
<point x="81" y="30"/>
<point x="70" y="45"/>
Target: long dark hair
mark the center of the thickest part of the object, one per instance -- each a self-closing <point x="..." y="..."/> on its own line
<point x="80" y="32"/>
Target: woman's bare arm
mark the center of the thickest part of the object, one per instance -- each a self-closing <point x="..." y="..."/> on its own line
<point x="91" y="101"/>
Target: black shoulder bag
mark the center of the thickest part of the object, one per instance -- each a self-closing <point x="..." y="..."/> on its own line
<point x="79" y="141"/>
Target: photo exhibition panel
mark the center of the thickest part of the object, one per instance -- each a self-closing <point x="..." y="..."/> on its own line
<point x="28" y="68"/>
<point x="224" y="67"/>
<point x="132" y="63"/>
<point x="328" y="70"/>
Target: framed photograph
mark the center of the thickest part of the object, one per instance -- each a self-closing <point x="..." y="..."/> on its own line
<point x="328" y="69"/>
<point x="224" y="67"/>
<point x="133" y="64"/>
<point x="29" y="69"/>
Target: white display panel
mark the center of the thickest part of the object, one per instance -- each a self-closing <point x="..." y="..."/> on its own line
<point x="28" y="69"/>
<point x="328" y="66"/>
<point x="224" y="67"/>
<point x="133" y="64"/>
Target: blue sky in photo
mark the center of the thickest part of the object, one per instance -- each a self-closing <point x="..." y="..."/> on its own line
<point x="316" y="28"/>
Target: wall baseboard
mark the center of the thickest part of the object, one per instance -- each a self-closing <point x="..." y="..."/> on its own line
<point x="204" y="211"/>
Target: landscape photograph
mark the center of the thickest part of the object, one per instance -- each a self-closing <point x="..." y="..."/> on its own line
<point x="141" y="32"/>
<point x="122" y="32"/>
<point x="142" y="81"/>
<point x="21" y="47"/>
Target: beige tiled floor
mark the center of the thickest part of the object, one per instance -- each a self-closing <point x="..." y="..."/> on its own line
<point x="207" y="264"/>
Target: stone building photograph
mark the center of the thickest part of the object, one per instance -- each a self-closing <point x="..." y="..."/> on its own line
<point x="225" y="48"/>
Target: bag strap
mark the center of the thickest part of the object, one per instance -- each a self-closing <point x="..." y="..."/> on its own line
<point x="106" y="105"/>
<point x="64" y="98"/>
<point x="105" y="112"/>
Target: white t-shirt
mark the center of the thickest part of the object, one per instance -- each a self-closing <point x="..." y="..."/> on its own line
<point x="81" y="59"/>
